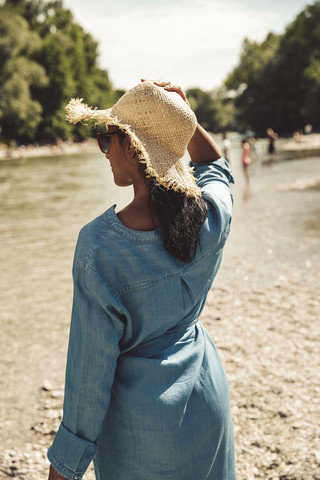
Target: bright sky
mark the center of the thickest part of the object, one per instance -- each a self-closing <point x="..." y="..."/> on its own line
<point x="190" y="42"/>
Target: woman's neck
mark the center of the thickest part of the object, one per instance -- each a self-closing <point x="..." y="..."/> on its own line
<point x="141" y="213"/>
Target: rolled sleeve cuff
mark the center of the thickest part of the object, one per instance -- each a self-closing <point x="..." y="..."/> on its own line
<point x="70" y="455"/>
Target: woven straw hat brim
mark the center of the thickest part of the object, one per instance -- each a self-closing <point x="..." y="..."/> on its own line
<point x="167" y="167"/>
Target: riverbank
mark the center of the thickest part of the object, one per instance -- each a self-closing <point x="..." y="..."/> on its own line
<point x="299" y="146"/>
<point x="302" y="142"/>
<point x="60" y="148"/>
<point x="287" y="147"/>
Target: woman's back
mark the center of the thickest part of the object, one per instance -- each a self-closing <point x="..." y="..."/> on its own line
<point x="156" y="291"/>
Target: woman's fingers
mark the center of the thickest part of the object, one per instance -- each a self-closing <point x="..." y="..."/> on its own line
<point x="169" y="87"/>
<point x="177" y="89"/>
<point x="159" y="83"/>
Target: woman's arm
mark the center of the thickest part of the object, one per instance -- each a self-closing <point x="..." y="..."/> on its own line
<point x="96" y="329"/>
<point x="54" y="475"/>
<point x="202" y="148"/>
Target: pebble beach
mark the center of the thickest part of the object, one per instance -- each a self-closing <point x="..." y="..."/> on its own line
<point x="262" y="313"/>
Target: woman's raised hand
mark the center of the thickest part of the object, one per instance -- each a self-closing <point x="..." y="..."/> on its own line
<point x="169" y="87"/>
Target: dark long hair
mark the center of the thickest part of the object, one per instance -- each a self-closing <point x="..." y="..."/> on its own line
<point x="181" y="217"/>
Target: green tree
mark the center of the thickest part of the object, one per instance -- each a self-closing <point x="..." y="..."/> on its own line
<point x="223" y="110"/>
<point x="20" y="112"/>
<point x="201" y="103"/>
<point x="255" y="80"/>
<point x="60" y="88"/>
<point x="69" y="55"/>
<point x="298" y="73"/>
<point x="214" y="110"/>
<point x="310" y="108"/>
<point x="63" y="65"/>
<point x="277" y="82"/>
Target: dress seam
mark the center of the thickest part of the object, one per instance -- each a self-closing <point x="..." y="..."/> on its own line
<point x="156" y="281"/>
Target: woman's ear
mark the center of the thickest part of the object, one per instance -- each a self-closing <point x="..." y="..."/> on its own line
<point x="131" y="151"/>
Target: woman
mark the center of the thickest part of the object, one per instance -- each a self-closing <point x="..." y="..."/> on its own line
<point x="146" y="395"/>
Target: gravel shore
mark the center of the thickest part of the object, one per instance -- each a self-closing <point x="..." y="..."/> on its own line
<point x="263" y="314"/>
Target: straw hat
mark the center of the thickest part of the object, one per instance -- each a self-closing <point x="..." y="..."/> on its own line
<point x="159" y="125"/>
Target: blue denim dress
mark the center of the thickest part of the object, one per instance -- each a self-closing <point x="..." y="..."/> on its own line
<point x="146" y="396"/>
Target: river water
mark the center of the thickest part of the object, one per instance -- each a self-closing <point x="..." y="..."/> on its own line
<point x="45" y="202"/>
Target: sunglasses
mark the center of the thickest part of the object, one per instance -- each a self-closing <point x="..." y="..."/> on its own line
<point x="104" y="141"/>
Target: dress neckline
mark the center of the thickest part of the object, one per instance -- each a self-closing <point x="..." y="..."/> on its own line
<point x="139" y="235"/>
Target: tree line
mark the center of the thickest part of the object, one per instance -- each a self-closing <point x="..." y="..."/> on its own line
<point x="46" y="58"/>
<point x="275" y="84"/>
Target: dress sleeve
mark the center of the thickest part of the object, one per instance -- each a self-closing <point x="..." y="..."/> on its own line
<point x="214" y="179"/>
<point x="97" y="325"/>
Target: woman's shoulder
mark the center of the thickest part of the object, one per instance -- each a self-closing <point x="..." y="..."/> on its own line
<point x="106" y="239"/>
<point x="95" y="228"/>
<point x="91" y="235"/>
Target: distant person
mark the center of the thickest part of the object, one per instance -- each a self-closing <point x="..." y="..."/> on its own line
<point x="271" y="136"/>
<point x="246" y="158"/>
<point x="146" y="396"/>
<point x="308" y="129"/>
<point x="226" y="145"/>
<point x="297" y="136"/>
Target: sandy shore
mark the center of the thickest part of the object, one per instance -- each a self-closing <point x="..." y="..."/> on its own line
<point x="263" y="314"/>
<point x="61" y="148"/>
<point x="302" y="142"/>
